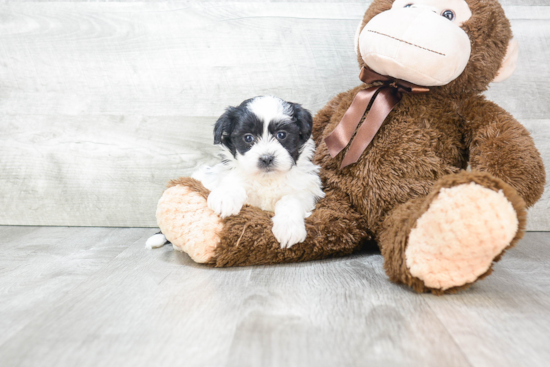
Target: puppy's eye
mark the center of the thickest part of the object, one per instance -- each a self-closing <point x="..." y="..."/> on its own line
<point x="249" y="138"/>
<point x="408" y="5"/>
<point x="281" y="135"/>
<point x="449" y="14"/>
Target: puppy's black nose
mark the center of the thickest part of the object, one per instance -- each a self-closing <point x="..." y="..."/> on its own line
<point x="266" y="160"/>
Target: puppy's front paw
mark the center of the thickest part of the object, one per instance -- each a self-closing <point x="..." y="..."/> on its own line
<point x="289" y="231"/>
<point x="226" y="202"/>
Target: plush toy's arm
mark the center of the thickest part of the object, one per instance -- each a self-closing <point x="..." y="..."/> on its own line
<point x="322" y="118"/>
<point x="501" y="146"/>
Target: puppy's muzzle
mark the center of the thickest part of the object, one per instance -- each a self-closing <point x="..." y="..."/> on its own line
<point x="266" y="161"/>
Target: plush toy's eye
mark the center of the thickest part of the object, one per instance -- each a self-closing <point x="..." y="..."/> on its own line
<point x="449" y="14"/>
<point x="249" y="138"/>
<point x="281" y="135"/>
<point x="408" y="5"/>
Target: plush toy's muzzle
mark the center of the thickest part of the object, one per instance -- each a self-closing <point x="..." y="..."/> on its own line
<point x="415" y="44"/>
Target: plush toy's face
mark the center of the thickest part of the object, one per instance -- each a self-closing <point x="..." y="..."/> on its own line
<point x="419" y="41"/>
<point x="431" y="42"/>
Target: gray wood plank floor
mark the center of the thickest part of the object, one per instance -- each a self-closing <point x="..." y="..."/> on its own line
<point x="96" y="297"/>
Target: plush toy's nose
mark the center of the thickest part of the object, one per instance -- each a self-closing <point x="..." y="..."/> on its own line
<point x="415" y="44"/>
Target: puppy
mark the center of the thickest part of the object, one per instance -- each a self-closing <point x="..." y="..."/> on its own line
<point x="266" y="162"/>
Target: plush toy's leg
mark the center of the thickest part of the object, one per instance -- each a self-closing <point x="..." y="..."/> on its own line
<point x="448" y="240"/>
<point x="185" y="219"/>
<point x="334" y="229"/>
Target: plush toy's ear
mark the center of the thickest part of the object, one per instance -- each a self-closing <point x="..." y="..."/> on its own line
<point x="224" y="127"/>
<point x="509" y="63"/>
<point x="356" y="37"/>
<point x="304" y="121"/>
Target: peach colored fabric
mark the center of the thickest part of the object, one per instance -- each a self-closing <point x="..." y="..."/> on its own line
<point x="457" y="238"/>
<point x="415" y="45"/>
<point x="509" y="63"/>
<point x="184" y="218"/>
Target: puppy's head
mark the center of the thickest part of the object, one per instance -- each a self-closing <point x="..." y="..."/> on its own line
<point x="264" y="134"/>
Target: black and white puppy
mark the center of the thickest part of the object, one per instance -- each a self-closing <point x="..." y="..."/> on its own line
<point x="266" y="162"/>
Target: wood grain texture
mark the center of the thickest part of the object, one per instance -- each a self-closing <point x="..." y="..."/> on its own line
<point x="96" y="297"/>
<point x="162" y="59"/>
<point x="87" y="170"/>
<point x="42" y="267"/>
<point x="102" y="102"/>
<point x="342" y="313"/>
<point x="144" y="308"/>
<point x="514" y="301"/>
<point x="539" y="214"/>
<point x="503" y="2"/>
<point x="523" y="95"/>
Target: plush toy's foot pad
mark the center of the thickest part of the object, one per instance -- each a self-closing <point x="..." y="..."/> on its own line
<point x="185" y="219"/>
<point x="457" y="238"/>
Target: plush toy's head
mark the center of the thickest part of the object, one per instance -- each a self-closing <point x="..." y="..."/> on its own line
<point x="459" y="46"/>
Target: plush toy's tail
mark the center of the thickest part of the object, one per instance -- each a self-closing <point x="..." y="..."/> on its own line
<point x="155" y="241"/>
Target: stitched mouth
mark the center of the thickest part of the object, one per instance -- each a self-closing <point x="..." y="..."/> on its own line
<point x="408" y="43"/>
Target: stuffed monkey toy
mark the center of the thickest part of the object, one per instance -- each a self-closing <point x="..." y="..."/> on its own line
<point x="415" y="158"/>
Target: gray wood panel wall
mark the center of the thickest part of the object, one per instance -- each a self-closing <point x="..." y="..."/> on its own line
<point x="102" y="102"/>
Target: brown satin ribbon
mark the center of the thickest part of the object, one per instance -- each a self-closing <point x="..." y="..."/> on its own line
<point x="384" y="97"/>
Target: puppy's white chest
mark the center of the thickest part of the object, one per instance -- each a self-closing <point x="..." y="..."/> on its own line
<point x="265" y="194"/>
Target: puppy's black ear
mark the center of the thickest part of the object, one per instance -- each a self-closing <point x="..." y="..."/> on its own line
<point x="304" y="121"/>
<point x="224" y="127"/>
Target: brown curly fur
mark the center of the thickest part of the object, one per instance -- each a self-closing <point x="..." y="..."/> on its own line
<point x="402" y="219"/>
<point x="334" y="229"/>
<point x="425" y="144"/>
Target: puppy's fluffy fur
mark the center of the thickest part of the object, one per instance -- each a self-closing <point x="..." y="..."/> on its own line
<point x="266" y="162"/>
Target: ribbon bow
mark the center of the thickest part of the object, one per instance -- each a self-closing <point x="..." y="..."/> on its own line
<point x="383" y="97"/>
